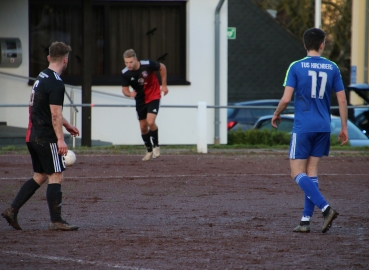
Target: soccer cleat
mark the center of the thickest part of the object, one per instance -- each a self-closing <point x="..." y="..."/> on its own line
<point x="11" y="217"/>
<point x="303" y="227"/>
<point x="148" y="156"/>
<point x="156" y="152"/>
<point x="329" y="215"/>
<point x="62" y="226"/>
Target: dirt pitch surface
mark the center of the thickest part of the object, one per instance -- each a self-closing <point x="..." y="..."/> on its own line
<point x="219" y="210"/>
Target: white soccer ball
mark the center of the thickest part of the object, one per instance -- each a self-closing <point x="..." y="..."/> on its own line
<point x="70" y="158"/>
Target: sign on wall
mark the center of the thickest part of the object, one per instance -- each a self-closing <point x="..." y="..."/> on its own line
<point x="231" y="32"/>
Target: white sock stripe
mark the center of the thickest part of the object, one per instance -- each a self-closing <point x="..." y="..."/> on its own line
<point x="299" y="176"/>
<point x="314" y="179"/>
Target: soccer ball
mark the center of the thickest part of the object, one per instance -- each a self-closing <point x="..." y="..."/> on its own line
<point x="70" y="158"/>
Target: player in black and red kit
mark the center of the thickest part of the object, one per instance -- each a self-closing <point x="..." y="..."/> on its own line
<point x="45" y="140"/>
<point x="140" y="75"/>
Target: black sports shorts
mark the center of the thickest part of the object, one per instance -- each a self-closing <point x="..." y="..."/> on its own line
<point x="151" y="107"/>
<point x="45" y="158"/>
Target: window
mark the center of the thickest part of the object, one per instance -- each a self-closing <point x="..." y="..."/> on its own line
<point x="154" y="29"/>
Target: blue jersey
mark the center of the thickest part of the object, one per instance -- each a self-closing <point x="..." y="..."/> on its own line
<point x="313" y="78"/>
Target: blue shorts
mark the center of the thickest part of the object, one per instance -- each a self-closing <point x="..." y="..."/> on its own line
<point x="304" y="145"/>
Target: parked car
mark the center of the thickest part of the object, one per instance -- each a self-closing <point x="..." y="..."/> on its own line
<point x="245" y="118"/>
<point x="361" y="119"/>
<point x="356" y="136"/>
<point x="359" y="116"/>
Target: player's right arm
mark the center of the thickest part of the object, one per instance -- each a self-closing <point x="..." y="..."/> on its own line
<point x="289" y="87"/>
<point x="283" y="104"/>
<point x="57" y="121"/>
<point x="127" y="93"/>
<point x="342" y="103"/>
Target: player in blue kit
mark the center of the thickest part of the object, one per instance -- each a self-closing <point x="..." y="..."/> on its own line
<point x="312" y="79"/>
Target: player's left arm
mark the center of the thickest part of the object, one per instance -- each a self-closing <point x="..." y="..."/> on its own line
<point x="70" y="128"/>
<point x="283" y="104"/>
<point x="163" y="75"/>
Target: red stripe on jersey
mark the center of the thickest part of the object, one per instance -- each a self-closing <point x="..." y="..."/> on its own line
<point x="28" y="135"/>
<point x="152" y="88"/>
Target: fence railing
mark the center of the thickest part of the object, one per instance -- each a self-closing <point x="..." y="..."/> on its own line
<point x="201" y="106"/>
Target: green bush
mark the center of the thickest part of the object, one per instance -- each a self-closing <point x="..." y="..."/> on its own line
<point x="265" y="137"/>
<point x="258" y="137"/>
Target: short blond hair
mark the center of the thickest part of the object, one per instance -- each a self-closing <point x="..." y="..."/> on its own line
<point x="129" y="53"/>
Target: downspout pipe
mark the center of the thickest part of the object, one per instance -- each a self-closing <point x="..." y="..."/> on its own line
<point x="217" y="71"/>
<point x="366" y="56"/>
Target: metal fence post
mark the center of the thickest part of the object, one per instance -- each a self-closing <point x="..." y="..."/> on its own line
<point x="202" y="146"/>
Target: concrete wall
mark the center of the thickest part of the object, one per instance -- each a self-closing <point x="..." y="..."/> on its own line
<point x="120" y="125"/>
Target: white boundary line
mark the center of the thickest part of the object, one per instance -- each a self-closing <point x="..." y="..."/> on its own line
<point x="56" y="258"/>
<point x="188" y="175"/>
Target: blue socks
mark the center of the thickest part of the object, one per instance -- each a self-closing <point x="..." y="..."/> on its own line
<point x="312" y="193"/>
<point x="309" y="205"/>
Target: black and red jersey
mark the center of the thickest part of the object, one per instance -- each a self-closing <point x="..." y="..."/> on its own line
<point x="47" y="90"/>
<point x="143" y="81"/>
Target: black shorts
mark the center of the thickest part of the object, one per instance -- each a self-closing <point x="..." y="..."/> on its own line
<point x="45" y="158"/>
<point x="151" y="107"/>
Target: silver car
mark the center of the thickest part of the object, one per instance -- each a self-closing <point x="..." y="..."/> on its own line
<point x="356" y="136"/>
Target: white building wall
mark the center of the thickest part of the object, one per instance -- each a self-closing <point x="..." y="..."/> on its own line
<point x="119" y="125"/>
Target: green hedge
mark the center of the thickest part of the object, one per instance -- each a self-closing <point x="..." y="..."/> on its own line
<point x="264" y="137"/>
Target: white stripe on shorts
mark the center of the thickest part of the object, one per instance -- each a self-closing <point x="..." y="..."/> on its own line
<point x="56" y="160"/>
<point x="293" y="146"/>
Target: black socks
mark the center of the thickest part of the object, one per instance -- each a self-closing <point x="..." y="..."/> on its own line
<point x="154" y="136"/>
<point x="26" y="191"/>
<point x="54" y="201"/>
<point x="147" y="141"/>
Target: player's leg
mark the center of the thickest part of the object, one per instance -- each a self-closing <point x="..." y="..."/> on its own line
<point x="308" y="186"/>
<point x="145" y="134"/>
<point x="312" y="172"/>
<point x="27" y="189"/>
<point x="153" y="110"/>
<point x="320" y="148"/>
<point x="154" y="134"/>
<point x="144" y="128"/>
<point x="298" y="167"/>
<point x="307" y="213"/>
<point x="54" y="165"/>
<point x="300" y="149"/>
<point x="54" y="201"/>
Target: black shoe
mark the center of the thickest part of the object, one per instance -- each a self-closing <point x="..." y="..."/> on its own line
<point x="304" y="227"/>
<point x="62" y="226"/>
<point x="329" y="215"/>
<point x="11" y="217"/>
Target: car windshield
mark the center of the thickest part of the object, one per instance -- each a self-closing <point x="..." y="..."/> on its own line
<point x="285" y="125"/>
<point x="353" y="131"/>
<point x="230" y="111"/>
<point x="250" y="115"/>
